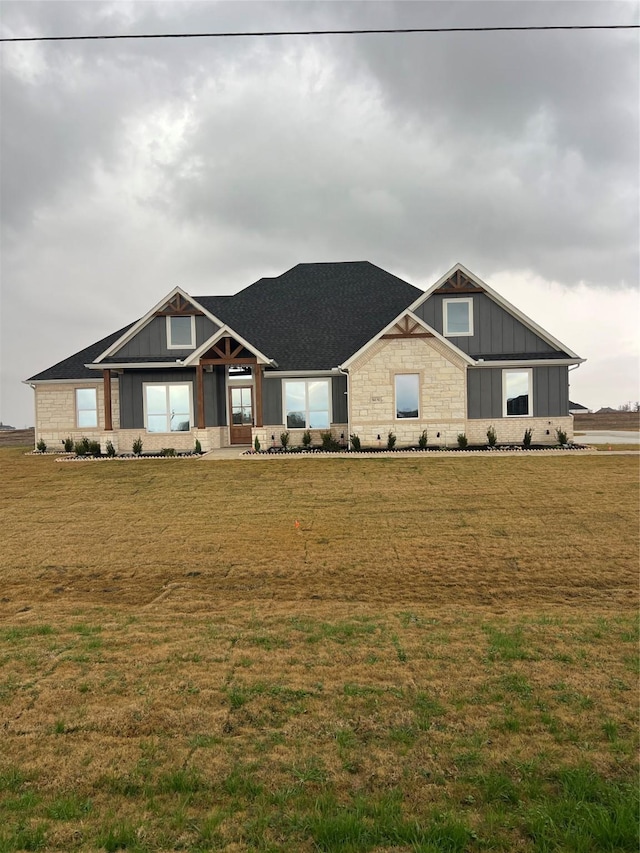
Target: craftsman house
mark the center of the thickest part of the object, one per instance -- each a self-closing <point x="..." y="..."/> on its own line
<point x="345" y="347"/>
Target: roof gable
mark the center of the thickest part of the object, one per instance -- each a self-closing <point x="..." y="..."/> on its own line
<point x="459" y="281"/>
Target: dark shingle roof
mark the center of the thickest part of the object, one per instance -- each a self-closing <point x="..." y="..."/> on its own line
<point x="312" y="317"/>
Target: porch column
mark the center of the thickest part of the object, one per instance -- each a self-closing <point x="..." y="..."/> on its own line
<point x="200" y="396"/>
<point x="258" y="387"/>
<point x="108" y="418"/>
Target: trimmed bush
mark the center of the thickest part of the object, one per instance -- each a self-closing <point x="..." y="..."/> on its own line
<point x="391" y="440"/>
<point x="306" y="438"/>
<point x="463" y="441"/>
<point x="561" y="435"/>
<point x="256" y="444"/>
<point x="284" y="439"/>
<point x="422" y="440"/>
<point x="526" y="441"/>
<point x="355" y="442"/>
<point x="168" y="451"/>
<point x="68" y="445"/>
<point x="111" y="451"/>
<point x="137" y="446"/>
<point x="80" y="449"/>
<point x="94" y="448"/>
<point x="197" y="447"/>
<point x="41" y="446"/>
<point x="492" y="437"/>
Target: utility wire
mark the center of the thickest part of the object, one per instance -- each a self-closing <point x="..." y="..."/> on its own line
<point x="329" y="32"/>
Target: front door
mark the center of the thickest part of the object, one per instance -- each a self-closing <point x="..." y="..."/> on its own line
<point x="241" y="407"/>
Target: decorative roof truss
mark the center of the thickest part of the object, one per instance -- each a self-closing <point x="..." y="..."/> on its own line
<point x="458" y="282"/>
<point x="177" y="306"/>
<point x="228" y="350"/>
<point x="407" y="327"/>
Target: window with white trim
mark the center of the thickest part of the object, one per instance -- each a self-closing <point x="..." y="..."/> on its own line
<point x="407" y="395"/>
<point x="306" y="403"/>
<point x="517" y="393"/>
<point x="86" y="408"/>
<point x="457" y="317"/>
<point x="181" y="332"/>
<point x="167" y="408"/>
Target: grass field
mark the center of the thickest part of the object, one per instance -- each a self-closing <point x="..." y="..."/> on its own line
<point x="393" y="654"/>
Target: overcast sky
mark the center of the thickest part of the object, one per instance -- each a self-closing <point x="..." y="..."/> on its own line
<point x="129" y="167"/>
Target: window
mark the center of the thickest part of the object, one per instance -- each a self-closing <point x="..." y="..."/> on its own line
<point x="168" y="407"/>
<point x="407" y="395"/>
<point x="457" y="317"/>
<point x="86" y="407"/>
<point x="181" y="332"/>
<point x="306" y="404"/>
<point x="516" y="393"/>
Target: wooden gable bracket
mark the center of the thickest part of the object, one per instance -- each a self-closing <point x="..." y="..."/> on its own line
<point x="178" y="306"/>
<point x="227" y="351"/>
<point x="459" y="283"/>
<point x="406" y="328"/>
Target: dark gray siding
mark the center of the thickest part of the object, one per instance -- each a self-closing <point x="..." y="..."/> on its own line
<point x="272" y="400"/>
<point x="152" y="339"/>
<point x="496" y="332"/>
<point x="339" y="399"/>
<point x="484" y="392"/>
<point x="215" y="409"/>
<point x="550" y="392"/>
<point x="131" y="382"/>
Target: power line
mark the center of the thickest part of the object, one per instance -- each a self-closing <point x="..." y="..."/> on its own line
<point x="328" y="32"/>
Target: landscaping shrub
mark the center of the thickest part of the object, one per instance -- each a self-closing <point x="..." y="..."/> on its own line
<point x="41" y="446"/>
<point x="329" y="442"/>
<point x="526" y="441"/>
<point x="80" y="448"/>
<point x="68" y="445"/>
<point x="463" y="441"/>
<point x="355" y="442"/>
<point x="391" y="440"/>
<point x="111" y="451"/>
<point x="561" y="435"/>
<point x="94" y="448"/>
<point x="422" y="440"/>
<point x="198" y="447"/>
<point x="137" y="446"/>
<point x="284" y="439"/>
<point x="492" y="437"/>
<point x="168" y="451"/>
<point x="306" y="438"/>
<point x="256" y="444"/>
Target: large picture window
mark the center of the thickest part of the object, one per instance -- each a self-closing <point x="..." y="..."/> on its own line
<point x="407" y="395"/>
<point x="181" y="332"/>
<point x="516" y="393"/>
<point x="86" y="408"/>
<point x="168" y="407"/>
<point x="457" y="320"/>
<point x="306" y="404"/>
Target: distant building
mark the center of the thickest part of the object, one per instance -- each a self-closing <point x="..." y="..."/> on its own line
<point x="578" y="409"/>
<point x="606" y="410"/>
<point x="5" y="426"/>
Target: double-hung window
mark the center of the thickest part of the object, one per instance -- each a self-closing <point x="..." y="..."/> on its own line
<point x="306" y="403"/>
<point x="517" y="394"/>
<point x="457" y="319"/>
<point x="181" y="332"/>
<point x="407" y="395"/>
<point x="168" y="407"/>
<point x="86" y="408"/>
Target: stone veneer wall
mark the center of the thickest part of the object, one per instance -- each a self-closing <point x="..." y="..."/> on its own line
<point x="56" y="413"/>
<point x="295" y="435"/>
<point x="511" y="430"/>
<point x="443" y="392"/>
<point x="55" y="421"/>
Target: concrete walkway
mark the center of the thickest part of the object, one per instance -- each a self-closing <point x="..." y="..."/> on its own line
<point x="602" y="436"/>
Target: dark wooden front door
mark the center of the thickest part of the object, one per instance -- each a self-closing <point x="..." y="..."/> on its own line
<point x="241" y="407"/>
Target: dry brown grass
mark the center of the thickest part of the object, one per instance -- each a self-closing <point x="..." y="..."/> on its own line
<point x="190" y="670"/>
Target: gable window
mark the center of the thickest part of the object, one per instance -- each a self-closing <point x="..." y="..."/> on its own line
<point x="306" y="403"/>
<point x="181" y="332"/>
<point x="167" y="407"/>
<point x="407" y="395"/>
<point x="457" y="320"/>
<point x="516" y="393"/>
<point x="86" y="407"/>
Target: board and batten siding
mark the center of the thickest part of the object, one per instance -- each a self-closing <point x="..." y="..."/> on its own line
<point x="131" y="395"/>
<point x="151" y="340"/>
<point x="272" y="399"/>
<point x="495" y="331"/>
<point x="550" y="392"/>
